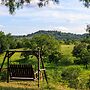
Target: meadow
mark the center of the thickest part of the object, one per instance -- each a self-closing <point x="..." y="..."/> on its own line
<point x="53" y="73"/>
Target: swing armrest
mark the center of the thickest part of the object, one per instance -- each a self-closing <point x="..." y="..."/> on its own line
<point x="36" y="72"/>
<point x="36" y="75"/>
<point x="42" y="69"/>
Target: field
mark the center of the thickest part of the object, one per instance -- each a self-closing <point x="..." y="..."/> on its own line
<point x="54" y="78"/>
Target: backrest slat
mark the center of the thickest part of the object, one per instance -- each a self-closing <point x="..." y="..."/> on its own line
<point x="21" y="71"/>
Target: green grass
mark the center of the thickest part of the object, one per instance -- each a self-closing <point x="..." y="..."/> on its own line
<point x="67" y="49"/>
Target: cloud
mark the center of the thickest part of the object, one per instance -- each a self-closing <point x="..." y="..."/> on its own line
<point x="52" y="13"/>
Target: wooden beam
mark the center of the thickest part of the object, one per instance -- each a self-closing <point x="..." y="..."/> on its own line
<point x="8" y="68"/>
<point x="38" y="67"/>
<point x="3" y="61"/>
<point x="22" y="51"/>
<point x="43" y="67"/>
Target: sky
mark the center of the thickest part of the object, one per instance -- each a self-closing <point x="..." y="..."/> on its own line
<point x="68" y="16"/>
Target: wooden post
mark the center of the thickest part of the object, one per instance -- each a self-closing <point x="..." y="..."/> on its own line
<point x="38" y="67"/>
<point x="8" y="68"/>
<point x="44" y="68"/>
<point x="3" y="61"/>
<point x="45" y="75"/>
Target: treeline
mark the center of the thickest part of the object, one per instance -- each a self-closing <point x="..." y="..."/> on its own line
<point x="12" y="42"/>
<point x="60" y="35"/>
<point x="65" y="38"/>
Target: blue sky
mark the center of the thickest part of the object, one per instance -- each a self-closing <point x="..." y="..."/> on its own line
<point x="68" y="16"/>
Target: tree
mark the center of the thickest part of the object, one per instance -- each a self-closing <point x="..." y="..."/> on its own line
<point x="85" y="57"/>
<point x="46" y="43"/>
<point x="11" y="41"/>
<point x="78" y="49"/>
<point x="14" y="4"/>
<point x="83" y="52"/>
<point x="55" y="57"/>
<point x="3" y="42"/>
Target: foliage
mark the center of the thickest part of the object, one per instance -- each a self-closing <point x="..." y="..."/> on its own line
<point x="85" y="57"/>
<point x="78" y="49"/>
<point x="6" y="42"/>
<point x="82" y="51"/>
<point x="86" y="3"/>
<point x="55" y="57"/>
<point x="3" y="75"/>
<point x="88" y="47"/>
<point x="59" y="35"/>
<point x="3" y="42"/>
<point x="65" y="60"/>
<point x="70" y="74"/>
<point x="84" y="80"/>
<point x="19" y="43"/>
<point x="46" y="43"/>
<point x="15" y="4"/>
<point x="77" y="61"/>
<point x="11" y="41"/>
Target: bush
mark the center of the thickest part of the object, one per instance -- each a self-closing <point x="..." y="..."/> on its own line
<point x="3" y="75"/>
<point x="66" y="61"/>
<point x="70" y="75"/>
<point x="77" y="61"/>
<point x="84" y="80"/>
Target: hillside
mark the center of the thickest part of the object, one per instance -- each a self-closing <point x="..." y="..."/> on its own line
<point x="58" y="35"/>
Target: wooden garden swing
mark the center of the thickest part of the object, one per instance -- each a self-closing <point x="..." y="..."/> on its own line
<point x="24" y="71"/>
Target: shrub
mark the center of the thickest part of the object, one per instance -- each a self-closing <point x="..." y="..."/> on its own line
<point x="84" y="80"/>
<point x="71" y="74"/>
<point x="66" y="61"/>
<point x="3" y="75"/>
<point x="77" y="61"/>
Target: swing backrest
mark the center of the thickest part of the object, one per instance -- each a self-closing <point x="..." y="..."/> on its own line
<point x="21" y="71"/>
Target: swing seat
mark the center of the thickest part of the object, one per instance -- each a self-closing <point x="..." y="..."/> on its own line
<point x="21" y="72"/>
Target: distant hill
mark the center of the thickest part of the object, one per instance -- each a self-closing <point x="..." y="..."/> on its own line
<point x="59" y="35"/>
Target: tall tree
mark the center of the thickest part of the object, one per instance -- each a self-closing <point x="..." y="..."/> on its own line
<point x="46" y="43"/>
<point x="3" y="42"/>
<point x="81" y="51"/>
